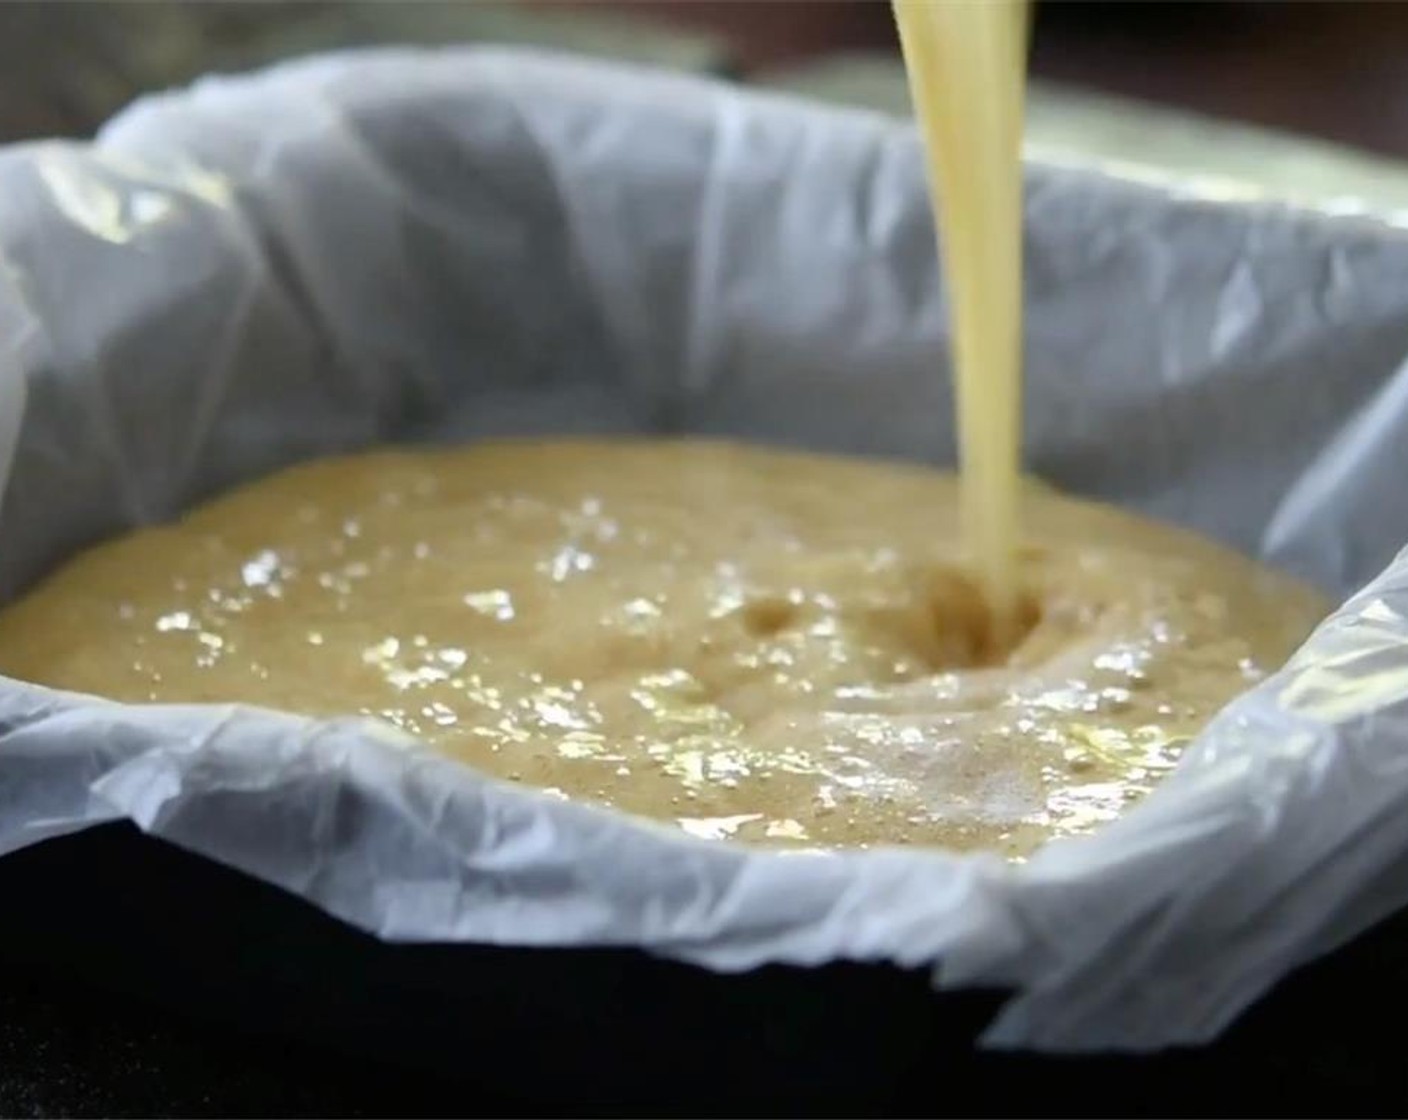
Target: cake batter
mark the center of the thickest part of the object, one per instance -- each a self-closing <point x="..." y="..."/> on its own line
<point x="770" y="646"/>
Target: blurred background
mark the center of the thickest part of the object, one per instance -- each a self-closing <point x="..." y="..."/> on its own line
<point x="1301" y="98"/>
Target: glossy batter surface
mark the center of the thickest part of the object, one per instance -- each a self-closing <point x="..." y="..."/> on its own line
<point x="754" y="644"/>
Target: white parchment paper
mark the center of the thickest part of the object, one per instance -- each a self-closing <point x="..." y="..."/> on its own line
<point x="439" y="245"/>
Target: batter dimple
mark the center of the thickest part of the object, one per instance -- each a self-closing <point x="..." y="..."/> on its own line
<point x="753" y="644"/>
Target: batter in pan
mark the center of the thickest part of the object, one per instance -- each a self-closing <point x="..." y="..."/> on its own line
<point x="769" y="646"/>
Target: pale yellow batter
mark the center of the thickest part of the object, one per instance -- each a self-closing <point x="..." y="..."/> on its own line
<point x="764" y="645"/>
<point x="966" y="65"/>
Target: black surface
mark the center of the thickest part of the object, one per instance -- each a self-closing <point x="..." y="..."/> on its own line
<point x="602" y="1031"/>
<point x="70" y="1050"/>
<point x="138" y="979"/>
